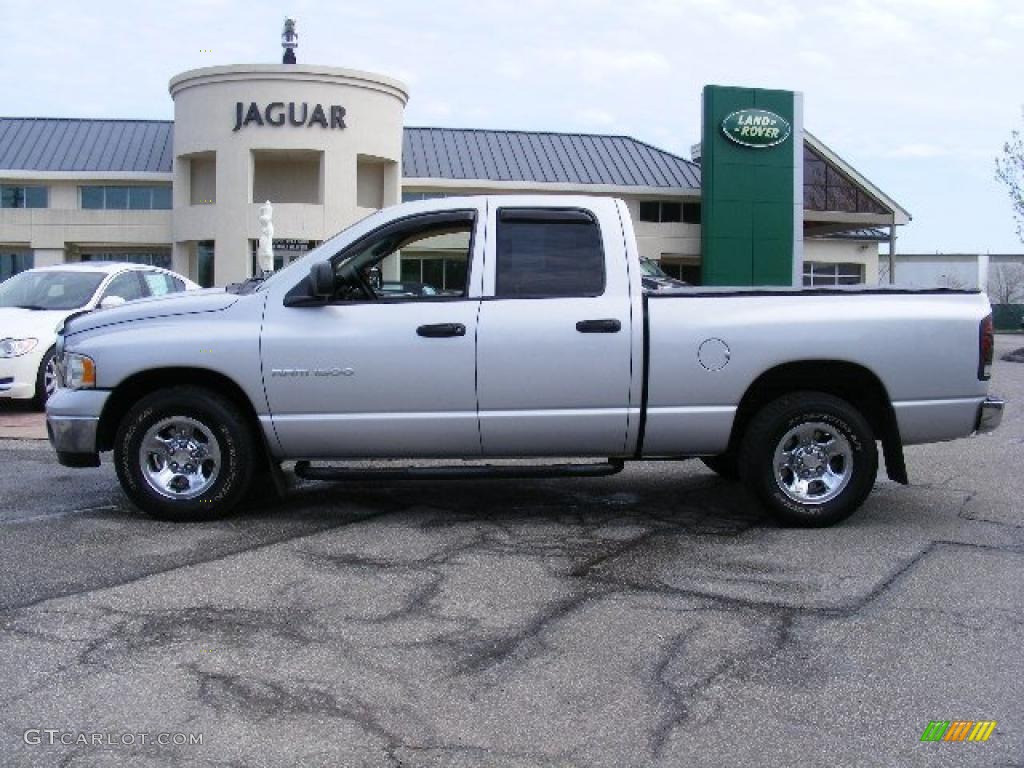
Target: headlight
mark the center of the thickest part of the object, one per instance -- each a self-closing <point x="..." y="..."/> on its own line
<point x="79" y="371"/>
<point x="17" y="347"/>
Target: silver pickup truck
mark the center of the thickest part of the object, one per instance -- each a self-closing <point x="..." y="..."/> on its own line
<point x="539" y="341"/>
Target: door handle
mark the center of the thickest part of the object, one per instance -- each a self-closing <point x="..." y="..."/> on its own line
<point x="441" y="330"/>
<point x="599" y="326"/>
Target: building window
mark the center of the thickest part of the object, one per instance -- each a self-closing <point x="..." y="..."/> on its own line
<point x="688" y="273"/>
<point x="669" y="212"/>
<point x="408" y="197"/>
<point x="119" y="198"/>
<point x="442" y="274"/>
<point x="827" y="189"/>
<point x="548" y="252"/>
<point x="13" y="263"/>
<point x="15" y="196"/>
<point x="160" y="259"/>
<point x="205" y="263"/>
<point x="823" y="274"/>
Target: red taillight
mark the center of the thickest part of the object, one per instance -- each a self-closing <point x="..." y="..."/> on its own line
<point x="986" y="348"/>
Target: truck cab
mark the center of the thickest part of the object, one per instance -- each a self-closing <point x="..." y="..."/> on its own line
<point x="535" y="355"/>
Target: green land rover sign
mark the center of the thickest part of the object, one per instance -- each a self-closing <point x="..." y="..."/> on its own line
<point x="755" y="128"/>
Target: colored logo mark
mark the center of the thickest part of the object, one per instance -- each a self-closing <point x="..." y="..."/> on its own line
<point x="757" y="128"/>
<point x="958" y="730"/>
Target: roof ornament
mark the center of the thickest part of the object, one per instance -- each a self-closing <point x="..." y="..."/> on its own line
<point x="289" y="41"/>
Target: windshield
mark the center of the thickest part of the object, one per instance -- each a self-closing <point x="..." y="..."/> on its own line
<point x="651" y="268"/>
<point x="49" y="289"/>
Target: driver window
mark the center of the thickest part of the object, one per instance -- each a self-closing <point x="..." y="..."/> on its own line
<point x="126" y="285"/>
<point x="427" y="257"/>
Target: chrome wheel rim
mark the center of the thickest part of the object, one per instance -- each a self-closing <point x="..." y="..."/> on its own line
<point x="50" y="377"/>
<point x="180" y="457"/>
<point x="813" y="463"/>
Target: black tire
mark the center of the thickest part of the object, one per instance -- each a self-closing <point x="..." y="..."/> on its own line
<point x="725" y="465"/>
<point x="223" y="421"/>
<point x="42" y="395"/>
<point x="774" y="422"/>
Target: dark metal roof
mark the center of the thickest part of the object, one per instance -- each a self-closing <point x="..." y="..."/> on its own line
<point x="871" y="234"/>
<point x="566" y="158"/>
<point x="63" y="144"/>
<point x="66" y="144"/>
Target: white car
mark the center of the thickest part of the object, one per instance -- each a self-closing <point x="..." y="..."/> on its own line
<point x="32" y="303"/>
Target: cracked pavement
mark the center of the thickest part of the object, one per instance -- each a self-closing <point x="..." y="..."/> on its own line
<point x="651" y="618"/>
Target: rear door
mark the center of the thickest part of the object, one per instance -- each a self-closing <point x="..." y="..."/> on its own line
<point x="555" y="332"/>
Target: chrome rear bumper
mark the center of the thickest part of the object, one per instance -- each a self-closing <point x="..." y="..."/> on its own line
<point x="990" y="414"/>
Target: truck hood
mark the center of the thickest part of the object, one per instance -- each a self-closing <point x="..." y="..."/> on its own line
<point x="186" y="303"/>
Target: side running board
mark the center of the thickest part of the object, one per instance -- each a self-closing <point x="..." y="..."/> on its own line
<point x="473" y="472"/>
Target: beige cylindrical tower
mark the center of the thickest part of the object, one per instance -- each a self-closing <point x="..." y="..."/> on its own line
<point x="323" y="144"/>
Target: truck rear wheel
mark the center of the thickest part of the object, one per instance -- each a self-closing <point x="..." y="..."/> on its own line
<point x="810" y="458"/>
<point x="184" y="453"/>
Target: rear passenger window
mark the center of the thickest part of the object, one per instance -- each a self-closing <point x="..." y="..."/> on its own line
<point x="160" y="284"/>
<point x="544" y="253"/>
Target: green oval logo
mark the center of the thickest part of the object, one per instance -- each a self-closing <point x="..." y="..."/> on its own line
<point x="755" y="128"/>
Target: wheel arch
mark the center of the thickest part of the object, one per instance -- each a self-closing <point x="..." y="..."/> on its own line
<point x="855" y="383"/>
<point x="137" y="386"/>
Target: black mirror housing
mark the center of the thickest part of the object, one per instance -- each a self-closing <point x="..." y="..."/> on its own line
<point x="321" y="280"/>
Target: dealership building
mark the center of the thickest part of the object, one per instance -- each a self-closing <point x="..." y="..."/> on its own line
<point x="327" y="146"/>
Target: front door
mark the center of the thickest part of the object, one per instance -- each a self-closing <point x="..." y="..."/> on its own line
<point x="370" y="376"/>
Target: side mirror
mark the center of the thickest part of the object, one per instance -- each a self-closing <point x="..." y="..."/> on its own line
<point x="111" y="301"/>
<point x="321" y="280"/>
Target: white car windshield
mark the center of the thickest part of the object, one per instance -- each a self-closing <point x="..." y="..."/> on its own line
<point x="651" y="269"/>
<point x="49" y="289"/>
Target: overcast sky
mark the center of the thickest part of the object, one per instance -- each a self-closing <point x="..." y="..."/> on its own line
<point x="919" y="95"/>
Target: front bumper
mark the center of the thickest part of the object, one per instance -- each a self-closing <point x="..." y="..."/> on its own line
<point x="72" y="423"/>
<point x="990" y="414"/>
<point x="18" y="376"/>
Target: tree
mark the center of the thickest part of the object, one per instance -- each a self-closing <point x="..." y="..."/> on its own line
<point x="1006" y="283"/>
<point x="1010" y="171"/>
<point x="954" y="281"/>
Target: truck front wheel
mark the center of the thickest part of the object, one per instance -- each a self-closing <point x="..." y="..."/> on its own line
<point x="810" y="458"/>
<point x="184" y="453"/>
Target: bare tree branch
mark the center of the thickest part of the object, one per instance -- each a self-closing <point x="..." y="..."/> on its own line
<point x="1010" y="171"/>
<point x="1006" y="283"/>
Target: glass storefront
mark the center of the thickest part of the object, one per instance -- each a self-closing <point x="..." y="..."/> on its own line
<point x="442" y="274"/>
<point x="204" y="263"/>
<point x="285" y="251"/>
<point x="160" y="259"/>
<point x="13" y="262"/>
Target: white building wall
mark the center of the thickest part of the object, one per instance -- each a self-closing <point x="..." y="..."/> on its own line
<point x="205" y="120"/>
<point x="943" y="271"/>
<point x="65" y="227"/>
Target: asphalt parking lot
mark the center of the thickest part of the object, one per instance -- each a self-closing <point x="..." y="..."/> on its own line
<point x="651" y="618"/>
